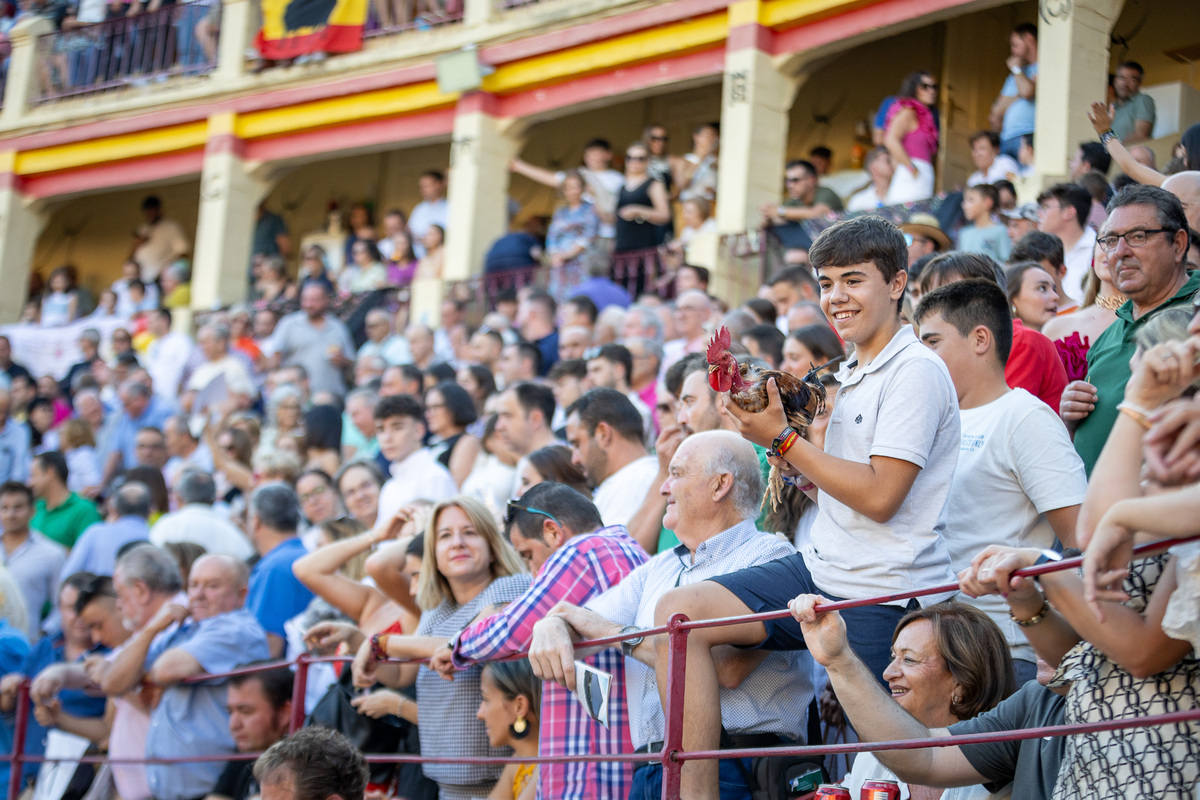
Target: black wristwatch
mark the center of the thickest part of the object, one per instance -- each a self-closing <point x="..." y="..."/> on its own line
<point x="628" y="645"/>
<point x="1046" y="557"/>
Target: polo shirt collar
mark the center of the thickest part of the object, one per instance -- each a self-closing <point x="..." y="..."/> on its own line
<point x="1189" y="288"/>
<point x="849" y="375"/>
<point x="718" y="546"/>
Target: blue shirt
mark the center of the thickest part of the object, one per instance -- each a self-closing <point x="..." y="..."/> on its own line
<point x="14" y="452"/>
<point x="511" y="251"/>
<point x="276" y="595"/>
<point x="191" y="719"/>
<point x="1019" y="116"/>
<point x="52" y="650"/>
<point x="96" y="549"/>
<point x="124" y="434"/>
<point x="548" y="347"/>
<point x="14" y="650"/>
<point x="603" y="292"/>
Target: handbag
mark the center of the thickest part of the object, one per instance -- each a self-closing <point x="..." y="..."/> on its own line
<point x="368" y="735"/>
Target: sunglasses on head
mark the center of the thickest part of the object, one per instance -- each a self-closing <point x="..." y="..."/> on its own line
<point x="514" y="506"/>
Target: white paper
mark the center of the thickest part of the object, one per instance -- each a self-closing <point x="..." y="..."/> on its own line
<point x="54" y="776"/>
<point x="592" y="689"/>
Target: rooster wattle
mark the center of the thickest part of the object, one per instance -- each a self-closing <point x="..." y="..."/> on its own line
<point x="803" y="398"/>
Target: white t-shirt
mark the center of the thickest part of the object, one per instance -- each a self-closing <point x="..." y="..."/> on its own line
<point x="200" y="524"/>
<point x="1001" y="168"/>
<point x="621" y="494"/>
<point x="1015" y="464"/>
<point x="166" y="359"/>
<point x="1078" y="261"/>
<point x="866" y="200"/>
<point x="418" y="477"/>
<point x="424" y="214"/>
<point x="165" y="241"/>
<point x="901" y="405"/>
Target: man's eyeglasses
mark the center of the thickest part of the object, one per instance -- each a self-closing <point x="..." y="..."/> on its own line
<point x="1132" y="238"/>
<point x="317" y="492"/>
<point x="630" y="157"/>
<point x="933" y="86"/>
<point x="657" y="138"/>
<point x="794" y="178"/>
<point x="513" y="506"/>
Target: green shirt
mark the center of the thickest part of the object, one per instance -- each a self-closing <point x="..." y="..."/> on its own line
<point x="1108" y="370"/>
<point x="65" y="523"/>
<point x="667" y="539"/>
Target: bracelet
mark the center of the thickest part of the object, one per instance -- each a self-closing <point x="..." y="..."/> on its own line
<point x="1035" y="619"/>
<point x="783" y="442"/>
<point x="795" y="484"/>
<point x="1139" y="415"/>
<point x="379" y="646"/>
<point x="1107" y="137"/>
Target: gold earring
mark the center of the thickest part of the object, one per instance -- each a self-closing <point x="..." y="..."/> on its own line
<point x="521" y="725"/>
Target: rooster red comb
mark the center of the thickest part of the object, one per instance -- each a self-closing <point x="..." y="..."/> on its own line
<point x="719" y="344"/>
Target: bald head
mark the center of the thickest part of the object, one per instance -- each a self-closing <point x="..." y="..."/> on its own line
<point x="1186" y="186"/>
<point x="718" y="453"/>
<point x="216" y="585"/>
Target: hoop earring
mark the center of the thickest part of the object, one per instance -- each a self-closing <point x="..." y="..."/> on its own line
<point x="519" y="729"/>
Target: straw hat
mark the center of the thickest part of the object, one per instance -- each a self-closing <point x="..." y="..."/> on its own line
<point x="927" y="225"/>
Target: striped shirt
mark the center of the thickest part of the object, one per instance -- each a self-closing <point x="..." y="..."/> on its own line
<point x="583" y="568"/>
<point x="774" y="698"/>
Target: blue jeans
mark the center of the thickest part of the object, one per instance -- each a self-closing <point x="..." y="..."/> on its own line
<point x="187" y="44"/>
<point x="647" y="780"/>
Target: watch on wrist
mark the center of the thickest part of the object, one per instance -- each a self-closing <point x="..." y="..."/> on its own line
<point x="1107" y="137"/>
<point x="1046" y="557"/>
<point x="628" y="645"/>
<point x="783" y="442"/>
<point x="1014" y="69"/>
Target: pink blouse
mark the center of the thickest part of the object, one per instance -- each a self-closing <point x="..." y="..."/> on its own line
<point x="922" y="143"/>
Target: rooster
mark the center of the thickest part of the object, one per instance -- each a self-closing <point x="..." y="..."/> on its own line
<point x="803" y="399"/>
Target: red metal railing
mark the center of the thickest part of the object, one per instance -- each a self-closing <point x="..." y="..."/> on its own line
<point x="126" y="51"/>
<point x="672" y="757"/>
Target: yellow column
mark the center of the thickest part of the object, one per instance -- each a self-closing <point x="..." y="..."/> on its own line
<point x="482" y="146"/>
<point x="756" y="99"/>
<point x="1073" y="56"/>
<point x="22" y="83"/>
<point x="21" y="222"/>
<point x="229" y="198"/>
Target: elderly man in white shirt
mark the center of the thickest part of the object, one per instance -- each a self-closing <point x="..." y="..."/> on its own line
<point x="196" y="521"/>
<point x="713" y="494"/>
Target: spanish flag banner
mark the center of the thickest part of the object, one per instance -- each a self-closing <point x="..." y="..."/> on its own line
<point x="294" y="28"/>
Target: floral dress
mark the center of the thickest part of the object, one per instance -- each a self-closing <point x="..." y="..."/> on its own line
<point x="1154" y="762"/>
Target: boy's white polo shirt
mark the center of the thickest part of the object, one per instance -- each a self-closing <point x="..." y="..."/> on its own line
<point x="901" y="405"/>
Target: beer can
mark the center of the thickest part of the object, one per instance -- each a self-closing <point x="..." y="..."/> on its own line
<point x="880" y="790"/>
<point x="831" y="791"/>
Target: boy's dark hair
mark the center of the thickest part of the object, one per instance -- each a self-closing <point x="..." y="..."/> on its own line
<point x="1070" y="195"/>
<point x="568" y="368"/>
<point x="99" y="586"/>
<point x="770" y="342"/>
<point x="611" y="407"/>
<point x="988" y="192"/>
<point x="399" y="405"/>
<point x="320" y="762"/>
<point x="276" y="682"/>
<point x="680" y="370"/>
<point x="586" y="307"/>
<point x="616" y="354"/>
<point x="969" y="304"/>
<point x="1096" y="155"/>
<point x="859" y="240"/>
<point x="16" y="487"/>
<point x="569" y="508"/>
<point x="1038" y="246"/>
<point x="535" y="397"/>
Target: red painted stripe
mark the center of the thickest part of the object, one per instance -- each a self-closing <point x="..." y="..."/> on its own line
<point x="808" y="35"/>
<point x="116" y="174"/>
<point x="225" y="143"/>
<point x="484" y="102"/>
<point x="11" y="181"/>
<point x="594" y="87"/>
<point x="406" y="130"/>
<point x="330" y="39"/>
<point x="750" y="37"/>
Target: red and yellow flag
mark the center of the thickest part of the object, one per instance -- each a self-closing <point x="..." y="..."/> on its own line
<point x="294" y="28"/>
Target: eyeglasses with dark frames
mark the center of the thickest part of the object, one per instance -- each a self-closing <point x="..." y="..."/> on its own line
<point x="1132" y="238"/>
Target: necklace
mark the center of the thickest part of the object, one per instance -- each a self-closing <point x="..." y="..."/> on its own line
<point x="1111" y="303"/>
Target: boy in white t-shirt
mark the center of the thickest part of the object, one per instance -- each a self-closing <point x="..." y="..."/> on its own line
<point x="1019" y="481"/>
<point x="881" y="486"/>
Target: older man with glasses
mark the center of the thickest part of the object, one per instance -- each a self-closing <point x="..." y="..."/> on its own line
<point x="558" y="532"/>
<point x="1146" y="242"/>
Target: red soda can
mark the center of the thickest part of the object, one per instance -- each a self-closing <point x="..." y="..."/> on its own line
<point x="831" y="791"/>
<point x="880" y="790"/>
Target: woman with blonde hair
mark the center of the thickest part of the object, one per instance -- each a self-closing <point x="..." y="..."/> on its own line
<point x="468" y="570"/>
<point x="78" y="446"/>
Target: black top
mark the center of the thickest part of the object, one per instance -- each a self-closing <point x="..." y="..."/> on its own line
<point x="237" y="781"/>
<point x="631" y="234"/>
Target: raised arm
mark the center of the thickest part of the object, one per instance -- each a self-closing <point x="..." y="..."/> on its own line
<point x="319" y="572"/>
<point x="538" y="174"/>
<point x="1101" y="117"/>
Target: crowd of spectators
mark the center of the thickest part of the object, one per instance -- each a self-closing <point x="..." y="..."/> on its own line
<point x="999" y="391"/>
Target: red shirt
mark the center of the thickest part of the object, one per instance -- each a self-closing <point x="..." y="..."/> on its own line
<point x="1034" y="365"/>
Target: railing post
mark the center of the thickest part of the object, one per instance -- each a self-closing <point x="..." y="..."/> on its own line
<point x="299" y="692"/>
<point x="22" y="85"/>
<point x="673" y="741"/>
<point x="16" y="770"/>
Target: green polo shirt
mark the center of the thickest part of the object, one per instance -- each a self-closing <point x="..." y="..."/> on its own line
<point x="65" y="523"/>
<point x="668" y="540"/>
<point x="1108" y="370"/>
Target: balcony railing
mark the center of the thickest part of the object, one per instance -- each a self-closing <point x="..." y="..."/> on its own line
<point x="132" y="51"/>
<point x="391" y="17"/>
